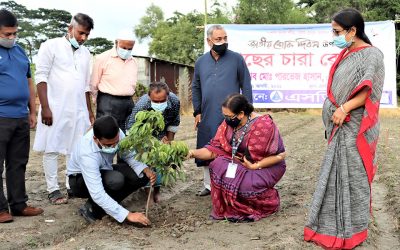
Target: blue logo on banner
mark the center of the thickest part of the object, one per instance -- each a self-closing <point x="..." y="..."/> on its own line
<point x="276" y="96"/>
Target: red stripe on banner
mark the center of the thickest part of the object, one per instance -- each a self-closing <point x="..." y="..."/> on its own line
<point x="333" y="242"/>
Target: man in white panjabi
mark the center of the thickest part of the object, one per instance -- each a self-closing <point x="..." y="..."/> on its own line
<point x="62" y="77"/>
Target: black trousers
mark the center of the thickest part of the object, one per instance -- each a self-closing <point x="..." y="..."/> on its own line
<point x="120" y="107"/>
<point x="14" y="155"/>
<point x="118" y="184"/>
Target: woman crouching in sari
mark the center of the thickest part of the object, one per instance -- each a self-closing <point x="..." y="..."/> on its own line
<point x="339" y="212"/>
<point x="248" y="160"/>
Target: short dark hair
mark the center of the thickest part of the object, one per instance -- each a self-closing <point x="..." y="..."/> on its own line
<point x="105" y="127"/>
<point x="7" y="19"/>
<point x="158" y="87"/>
<point x="237" y="103"/>
<point x="350" y="17"/>
<point x="84" y="20"/>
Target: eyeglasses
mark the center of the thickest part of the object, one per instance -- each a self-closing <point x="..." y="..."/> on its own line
<point x="337" y="32"/>
<point x="230" y="117"/>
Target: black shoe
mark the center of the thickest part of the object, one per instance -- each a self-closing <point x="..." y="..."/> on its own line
<point x="86" y="211"/>
<point x="70" y="194"/>
<point x="204" y="192"/>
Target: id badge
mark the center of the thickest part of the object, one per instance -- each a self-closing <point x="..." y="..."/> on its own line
<point x="231" y="171"/>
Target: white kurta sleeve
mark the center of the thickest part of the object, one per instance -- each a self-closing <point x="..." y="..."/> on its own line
<point x="44" y="62"/>
<point x="87" y="79"/>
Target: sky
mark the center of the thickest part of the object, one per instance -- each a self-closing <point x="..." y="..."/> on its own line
<point x="112" y="16"/>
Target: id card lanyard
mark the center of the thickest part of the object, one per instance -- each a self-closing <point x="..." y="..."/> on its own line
<point x="236" y="144"/>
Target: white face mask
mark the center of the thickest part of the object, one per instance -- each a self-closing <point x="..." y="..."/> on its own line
<point x="7" y="43"/>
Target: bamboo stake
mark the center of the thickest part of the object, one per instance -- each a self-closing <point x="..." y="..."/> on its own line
<point x="148" y="201"/>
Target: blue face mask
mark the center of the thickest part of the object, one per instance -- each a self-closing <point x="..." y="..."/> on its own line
<point x="340" y="41"/>
<point x="124" y="53"/>
<point x="108" y="150"/>
<point x="73" y="41"/>
<point x="159" y="106"/>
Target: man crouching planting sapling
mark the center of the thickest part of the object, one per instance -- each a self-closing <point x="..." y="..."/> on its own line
<point x="166" y="159"/>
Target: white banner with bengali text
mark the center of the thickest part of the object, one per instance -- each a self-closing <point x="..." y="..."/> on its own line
<point x="289" y="64"/>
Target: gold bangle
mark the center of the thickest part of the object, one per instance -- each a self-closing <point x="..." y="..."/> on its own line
<point x="258" y="165"/>
<point x="280" y="157"/>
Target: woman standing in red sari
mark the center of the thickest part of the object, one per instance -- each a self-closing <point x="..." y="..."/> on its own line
<point x="339" y="212"/>
<point x="248" y="160"/>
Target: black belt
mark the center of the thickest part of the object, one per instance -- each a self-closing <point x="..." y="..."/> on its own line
<point x="74" y="175"/>
<point x="115" y="96"/>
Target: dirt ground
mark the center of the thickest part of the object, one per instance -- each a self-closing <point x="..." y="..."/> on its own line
<point x="181" y="220"/>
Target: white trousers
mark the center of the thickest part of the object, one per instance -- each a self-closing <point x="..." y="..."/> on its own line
<point x="50" y="166"/>
<point x="206" y="177"/>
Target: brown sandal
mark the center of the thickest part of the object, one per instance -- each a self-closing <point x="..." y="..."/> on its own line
<point x="56" y="198"/>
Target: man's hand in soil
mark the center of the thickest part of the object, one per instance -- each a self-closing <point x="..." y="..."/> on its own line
<point x="151" y="175"/>
<point x="138" y="218"/>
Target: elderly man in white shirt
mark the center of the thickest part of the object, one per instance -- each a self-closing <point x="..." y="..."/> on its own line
<point x="93" y="175"/>
<point x="62" y="78"/>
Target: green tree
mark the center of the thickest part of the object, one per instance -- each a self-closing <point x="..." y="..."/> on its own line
<point x="98" y="45"/>
<point x="36" y="26"/>
<point x="269" y="12"/>
<point x="149" y="22"/>
<point x="179" y="38"/>
<point x="26" y="30"/>
<point x="52" y="23"/>
<point x="372" y="10"/>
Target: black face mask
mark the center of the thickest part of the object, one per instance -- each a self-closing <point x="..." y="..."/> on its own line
<point x="220" y="49"/>
<point x="233" y="122"/>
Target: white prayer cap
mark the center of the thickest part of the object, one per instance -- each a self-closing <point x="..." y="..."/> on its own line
<point x="125" y="35"/>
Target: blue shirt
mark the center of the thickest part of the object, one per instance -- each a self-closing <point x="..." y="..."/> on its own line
<point x="171" y="113"/>
<point x="14" y="88"/>
<point x="87" y="159"/>
<point x="213" y="82"/>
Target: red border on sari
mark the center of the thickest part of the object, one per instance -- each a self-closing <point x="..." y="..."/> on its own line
<point x="366" y="150"/>
<point x="332" y="242"/>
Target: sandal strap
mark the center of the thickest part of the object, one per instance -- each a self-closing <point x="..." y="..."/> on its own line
<point x="55" y="195"/>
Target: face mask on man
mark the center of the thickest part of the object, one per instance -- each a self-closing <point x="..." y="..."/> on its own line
<point x="340" y="41"/>
<point x="108" y="150"/>
<point x="73" y="41"/>
<point x="124" y="53"/>
<point x="233" y="122"/>
<point x="7" y="43"/>
<point x="220" y="49"/>
<point x="159" y="106"/>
